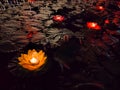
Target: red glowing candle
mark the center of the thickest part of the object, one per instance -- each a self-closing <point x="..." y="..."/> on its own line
<point x="101" y="8"/>
<point x="93" y="25"/>
<point x="107" y="21"/>
<point x="58" y="18"/>
<point x="31" y="1"/>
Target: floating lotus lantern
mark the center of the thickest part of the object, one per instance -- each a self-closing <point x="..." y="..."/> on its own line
<point x="101" y="8"/>
<point x="58" y="18"/>
<point x="93" y="25"/>
<point x="33" y="60"/>
<point x="29" y="64"/>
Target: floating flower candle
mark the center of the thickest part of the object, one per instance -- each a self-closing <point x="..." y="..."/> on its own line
<point x="101" y="8"/>
<point x="93" y="25"/>
<point x="58" y="18"/>
<point x="33" y="60"/>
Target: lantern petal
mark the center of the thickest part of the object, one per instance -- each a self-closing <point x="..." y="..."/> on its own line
<point x="40" y="52"/>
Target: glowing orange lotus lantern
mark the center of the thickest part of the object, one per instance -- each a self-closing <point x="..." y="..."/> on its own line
<point x="93" y="25"/>
<point x="33" y="60"/>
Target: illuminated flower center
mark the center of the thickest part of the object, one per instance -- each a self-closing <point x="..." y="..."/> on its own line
<point x="33" y="60"/>
<point x="93" y="24"/>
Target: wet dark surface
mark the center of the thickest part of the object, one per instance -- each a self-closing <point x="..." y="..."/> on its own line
<point x="79" y="59"/>
<point x="80" y="76"/>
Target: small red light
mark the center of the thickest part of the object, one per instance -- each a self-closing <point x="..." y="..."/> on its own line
<point x="29" y="35"/>
<point x="101" y="8"/>
<point x="107" y="21"/>
<point x="58" y="18"/>
<point x="93" y="25"/>
<point x="31" y="1"/>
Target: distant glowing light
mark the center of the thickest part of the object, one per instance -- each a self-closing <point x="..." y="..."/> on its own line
<point x="107" y="21"/>
<point x="31" y="1"/>
<point x="58" y="18"/>
<point x="93" y="25"/>
<point x="100" y="8"/>
<point x="29" y="35"/>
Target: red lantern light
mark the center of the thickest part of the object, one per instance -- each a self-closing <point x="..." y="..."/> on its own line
<point x="29" y="35"/>
<point x="31" y="1"/>
<point x="93" y="25"/>
<point x="107" y="21"/>
<point x="101" y="8"/>
<point x="58" y="18"/>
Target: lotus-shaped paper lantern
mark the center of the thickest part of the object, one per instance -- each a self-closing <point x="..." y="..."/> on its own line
<point x="33" y="60"/>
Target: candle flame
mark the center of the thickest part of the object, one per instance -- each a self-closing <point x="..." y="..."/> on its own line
<point x="34" y="61"/>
